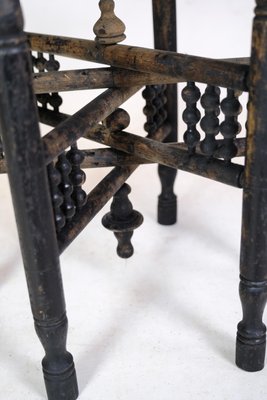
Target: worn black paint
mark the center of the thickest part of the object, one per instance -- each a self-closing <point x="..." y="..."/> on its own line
<point x="251" y="336"/>
<point x="32" y="203"/>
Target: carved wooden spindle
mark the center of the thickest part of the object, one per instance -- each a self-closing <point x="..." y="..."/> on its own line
<point x="57" y="197"/>
<point x="154" y="109"/>
<point x="191" y="115"/>
<point x="77" y="176"/>
<point x="54" y="99"/>
<point x="159" y="102"/>
<point x="109" y="29"/>
<point x="230" y="127"/>
<point x="122" y="220"/>
<point x="39" y="63"/>
<point x="65" y="186"/>
<point x="42" y="65"/>
<point x="150" y="110"/>
<point x="210" y="101"/>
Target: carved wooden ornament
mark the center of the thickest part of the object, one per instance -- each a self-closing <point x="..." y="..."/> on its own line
<point x="109" y="29"/>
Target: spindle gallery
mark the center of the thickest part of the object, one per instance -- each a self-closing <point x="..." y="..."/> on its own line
<point x="47" y="174"/>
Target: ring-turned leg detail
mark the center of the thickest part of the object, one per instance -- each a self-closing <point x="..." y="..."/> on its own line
<point x="164" y="19"/>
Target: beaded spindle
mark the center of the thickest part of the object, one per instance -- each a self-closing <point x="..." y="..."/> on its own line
<point x="77" y="175"/>
<point x="210" y="101"/>
<point x="57" y="197"/>
<point x="40" y="63"/>
<point x="150" y="110"/>
<point x="65" y="186"/>
<point x="154" y="109"/>
<point x="54" y="99"/>
<point x="159" y="102"/>
<point x="230" y="127"/>
<point x="191" y="115"/>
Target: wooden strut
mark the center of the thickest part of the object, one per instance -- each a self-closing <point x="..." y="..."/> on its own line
<point x="103" y="158"/>
<point x="179" y="66"/>
<point x="166" y="154"/>
<point x="95" y="78"/>
<point x="101" y="78"/>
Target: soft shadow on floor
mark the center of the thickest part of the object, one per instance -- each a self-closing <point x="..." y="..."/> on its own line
<point x="148" y="292"/>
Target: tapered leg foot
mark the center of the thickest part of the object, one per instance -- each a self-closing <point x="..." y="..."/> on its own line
<point x="167" y="211"/>
<point x="61" y="384"/>
<point x="250" y="357"/>
<point x="251" y="331"/>
<point x="167" y="200"/>
<point x="58" y="366"/>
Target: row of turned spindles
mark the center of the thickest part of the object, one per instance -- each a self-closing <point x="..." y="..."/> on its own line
<point x="210" y="124"/>
<point x="42" y="64"/>
<point x="230" y="106"/>
<point x="65" y="175"/>
<point x="66" y="179"/>
<point x="154" y="109"/>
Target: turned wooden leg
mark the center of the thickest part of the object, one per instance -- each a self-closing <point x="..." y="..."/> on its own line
<point x="251" y="335"/>
<point x="32" y="203"/>
<point x="164" y="19"/>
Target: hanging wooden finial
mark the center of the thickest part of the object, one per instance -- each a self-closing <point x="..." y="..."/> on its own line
<point x="121" y="219"/>
<point x="109" y="29"/>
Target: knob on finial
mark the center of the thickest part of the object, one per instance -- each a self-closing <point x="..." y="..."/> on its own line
<point x="109" y="29"/>
<point x="122" y="220"/>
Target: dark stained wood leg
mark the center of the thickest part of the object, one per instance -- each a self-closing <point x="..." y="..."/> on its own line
<point x="32" y="203"/>
<point x="164" y="18"/>
<point x="251" y="335"/>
